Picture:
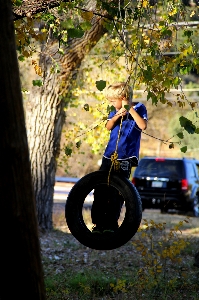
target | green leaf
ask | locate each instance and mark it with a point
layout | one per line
(188, 33)
(37, 82)
(180, 135)
(183, 149)
(18, 2)
(68, 151)
(153, 98)
(176, 82)
(101, 84)
(61, 51)
(21, 58)
(86, 25)
(183, 121)
(75, 33)
(67, 24)
(86, 107)
(78, 144)
(187, 124)
(148, 74)
(110, 108)
(127, 107)
(167, 83)
(165, 32)
(149, 95)
(197, 130)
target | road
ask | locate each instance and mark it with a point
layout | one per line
(62, 189)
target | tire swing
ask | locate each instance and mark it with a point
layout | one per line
(74, 206)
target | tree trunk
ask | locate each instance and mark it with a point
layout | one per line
(20, 261)
(45, 117)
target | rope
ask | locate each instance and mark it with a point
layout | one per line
(115, 163)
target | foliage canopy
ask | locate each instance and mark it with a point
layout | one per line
(152, 43)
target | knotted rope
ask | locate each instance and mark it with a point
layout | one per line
(115, 163)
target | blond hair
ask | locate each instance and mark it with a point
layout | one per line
(119, 90)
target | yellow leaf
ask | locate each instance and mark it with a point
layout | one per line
(189, 49)
(87, 15)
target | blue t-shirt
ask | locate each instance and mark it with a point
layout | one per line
(130, 135)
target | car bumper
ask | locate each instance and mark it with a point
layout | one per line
(159, 200)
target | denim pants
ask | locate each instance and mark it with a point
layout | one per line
(108, 202)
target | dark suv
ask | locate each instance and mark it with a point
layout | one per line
(168, 183)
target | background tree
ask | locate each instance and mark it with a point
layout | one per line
(45, 109)
(22, 275)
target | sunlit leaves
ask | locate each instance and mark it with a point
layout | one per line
(37, 68)
(157, 254)
(142, 54)
(176, 81)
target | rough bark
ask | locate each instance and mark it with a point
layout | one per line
(45, 117)
(20, 261)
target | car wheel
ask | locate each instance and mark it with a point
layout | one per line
(196, 206)
(74, 205)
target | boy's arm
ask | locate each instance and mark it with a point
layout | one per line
(142, 123)
(111, 123)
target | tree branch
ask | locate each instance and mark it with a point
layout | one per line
(29, 8)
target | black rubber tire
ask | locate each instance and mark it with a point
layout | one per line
(74, 205)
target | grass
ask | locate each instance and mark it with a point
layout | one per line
(156, 264)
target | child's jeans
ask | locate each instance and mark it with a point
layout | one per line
(108, 202)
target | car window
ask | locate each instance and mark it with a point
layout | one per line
(167, 168)
(197, 169)
(190, 169)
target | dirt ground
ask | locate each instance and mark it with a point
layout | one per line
(63, 255)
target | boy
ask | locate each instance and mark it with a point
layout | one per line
(125, 142)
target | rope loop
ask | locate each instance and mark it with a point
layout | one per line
(115, 162)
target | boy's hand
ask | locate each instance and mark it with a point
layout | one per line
(121, 112)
